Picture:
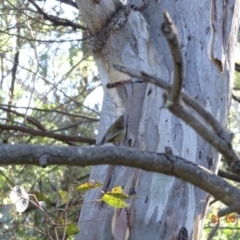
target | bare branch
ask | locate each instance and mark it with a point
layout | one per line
(237, 99)
(56, 20)
(59, 137)
(175, 106)
(69, 2)
(217, 136)
(51, 111)
(213, 231)
(149, 161)
(30, 119)
(170, 32)
(237, 67)
(192, 102)
(229, 176)
(230, 209)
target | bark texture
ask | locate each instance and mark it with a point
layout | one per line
(166, 207)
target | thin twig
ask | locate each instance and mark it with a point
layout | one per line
(59, 137)
(56, 20)
(2, 106)
(213, 231)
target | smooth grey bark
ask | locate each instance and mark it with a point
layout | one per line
(207, 31)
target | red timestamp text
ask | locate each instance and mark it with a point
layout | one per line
(228, 218)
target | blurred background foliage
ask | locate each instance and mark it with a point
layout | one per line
(50, 94)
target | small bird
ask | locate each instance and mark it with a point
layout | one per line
(115, 132)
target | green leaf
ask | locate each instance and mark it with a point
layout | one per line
(115, 198)
(63, 196)
(114, 202)
(72, 229)
(88, 186)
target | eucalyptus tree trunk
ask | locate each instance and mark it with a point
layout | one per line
(165, 207)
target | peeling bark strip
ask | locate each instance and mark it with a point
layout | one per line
(116, 84)
(117, 22)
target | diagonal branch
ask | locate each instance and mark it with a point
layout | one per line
(237, 67)
(234, 97)
(69, 2)
(216, 136)
(230, 176)
(56, 20)
(30, 119)
(177, 108)
(206, 115)
(222, 146)
(194, 122)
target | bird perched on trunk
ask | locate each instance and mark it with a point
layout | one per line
(115, 132)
